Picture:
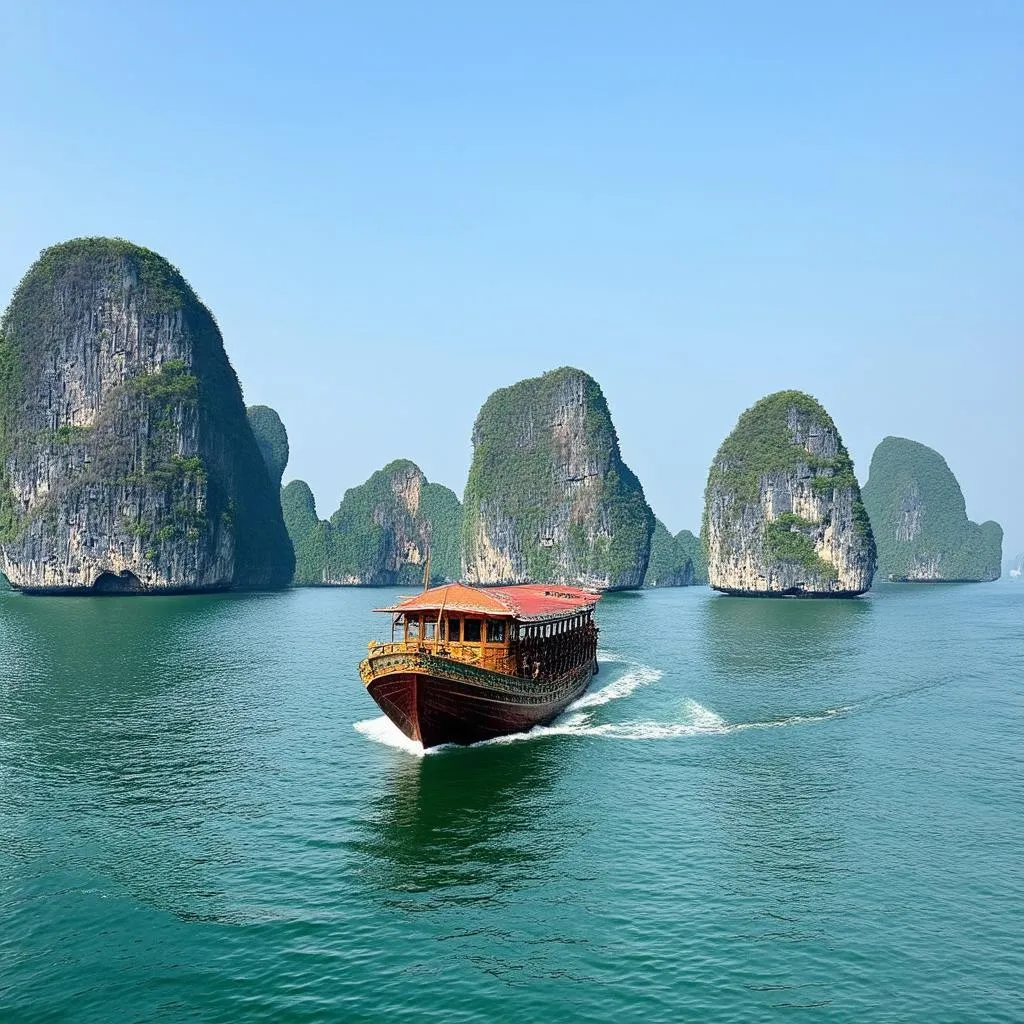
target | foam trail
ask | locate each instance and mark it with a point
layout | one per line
(637, 676)
(814, 716)
(700, 721)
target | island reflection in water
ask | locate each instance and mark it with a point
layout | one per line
(780, 636)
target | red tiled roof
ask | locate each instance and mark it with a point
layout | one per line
(525, 601)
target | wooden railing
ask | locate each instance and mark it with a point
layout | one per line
(497, 659)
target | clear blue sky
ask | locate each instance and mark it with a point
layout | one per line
(393, 209)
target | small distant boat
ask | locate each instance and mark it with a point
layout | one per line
(466, 664)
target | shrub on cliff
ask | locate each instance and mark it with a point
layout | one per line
(920, 519)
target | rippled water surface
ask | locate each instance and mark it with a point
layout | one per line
(761, 810)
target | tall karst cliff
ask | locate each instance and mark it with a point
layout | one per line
(782, 508)
(271, 439)
(677, 561)
(920, 519)
(380, 534)
(549, 498)
(126, 458)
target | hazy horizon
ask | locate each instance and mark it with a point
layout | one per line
(393, 212)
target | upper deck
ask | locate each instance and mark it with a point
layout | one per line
(490, 626)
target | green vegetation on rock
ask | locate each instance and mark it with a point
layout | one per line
(677, 561)
(788, 538)
(783, 512)
(549, 498)
(771, 437)
(440, 506)
(920, 519)
(380, 533)
(271, 439)
(311, 537)
(114, 383)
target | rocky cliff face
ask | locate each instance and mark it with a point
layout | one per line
(380, 534)
(782, 508)
(677, 561)
(920, 519)
(126, 459)
(549, 498)
(271, 439)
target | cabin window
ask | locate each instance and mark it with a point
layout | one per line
(429, 629)
(412, 629)
(453, 631)
(495, 631)
(471, 631)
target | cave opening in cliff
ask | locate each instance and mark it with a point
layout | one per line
(117, 583)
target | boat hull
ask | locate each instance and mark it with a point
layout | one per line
(436, 700)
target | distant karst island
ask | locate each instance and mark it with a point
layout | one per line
(920, 519)
(548, 497)
(380, 534)
(126, 459)
(678, 561)
(783, 513)
(129, 464)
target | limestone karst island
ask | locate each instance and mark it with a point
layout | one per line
(783, 513)
(549, 497)
(381, 533)
(920, 519)
(128, 463)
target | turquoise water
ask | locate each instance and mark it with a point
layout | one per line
(783, 810)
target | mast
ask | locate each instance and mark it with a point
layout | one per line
(437, 628)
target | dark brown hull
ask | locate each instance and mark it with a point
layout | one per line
(436, 700)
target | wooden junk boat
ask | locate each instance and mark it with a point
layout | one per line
(470, 663)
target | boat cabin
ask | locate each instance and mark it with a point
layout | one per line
(530, 630)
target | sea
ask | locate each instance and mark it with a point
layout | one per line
(761, 810)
